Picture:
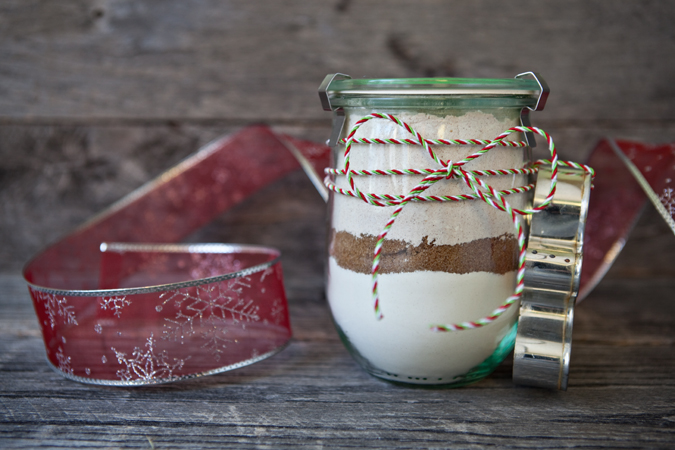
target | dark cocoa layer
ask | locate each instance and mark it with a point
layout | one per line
(497, 255)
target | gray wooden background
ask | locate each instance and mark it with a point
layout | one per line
(99, 96)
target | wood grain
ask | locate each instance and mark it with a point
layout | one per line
(54, 177)
(264, 60)
(99, 96)
(621, 393)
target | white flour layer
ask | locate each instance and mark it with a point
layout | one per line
(402, 343)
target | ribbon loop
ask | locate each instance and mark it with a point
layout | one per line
(135, 313)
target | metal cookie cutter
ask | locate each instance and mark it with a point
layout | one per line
(553, 265)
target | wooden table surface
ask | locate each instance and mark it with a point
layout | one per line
(621, 388)
(98, 97)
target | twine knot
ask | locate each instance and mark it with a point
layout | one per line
(450, 168)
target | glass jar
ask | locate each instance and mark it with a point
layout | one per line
(441, 262)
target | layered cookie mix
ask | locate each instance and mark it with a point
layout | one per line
(441, 263)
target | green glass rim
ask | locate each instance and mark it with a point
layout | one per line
(433, 92)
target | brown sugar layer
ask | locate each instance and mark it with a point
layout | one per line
(497, 255)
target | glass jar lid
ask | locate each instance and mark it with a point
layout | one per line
(433, 92)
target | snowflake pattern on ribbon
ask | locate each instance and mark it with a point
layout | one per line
(278, 312)
(208, 265)
(64, 362)
(268, 271)
(115, 304)
(265, 273)
(668, 200)
(55, 306)
(208, 311)
(147, 365)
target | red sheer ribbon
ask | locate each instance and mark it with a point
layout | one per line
(618, 199)
(134, 313)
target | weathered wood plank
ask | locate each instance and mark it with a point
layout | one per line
(99, 96)
(53, 178)
(264, 60)
(469, 420)
(621, 395)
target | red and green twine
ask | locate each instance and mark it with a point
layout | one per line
(449, 169)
